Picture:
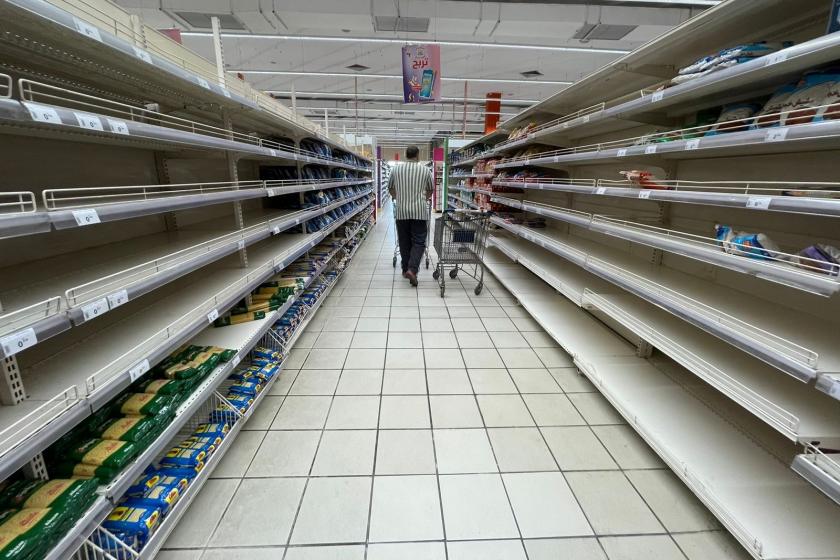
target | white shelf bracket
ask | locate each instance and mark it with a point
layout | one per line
(12, 391)
(36, 468)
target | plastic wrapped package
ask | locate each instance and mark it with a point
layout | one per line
(138, 520)
(753, 245)
(820, 258)
(734, 118)
(28, 533)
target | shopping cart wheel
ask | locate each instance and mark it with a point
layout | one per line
(394, 262)
(427, 263)
(436, 274)
(478, 289)
(453, 273)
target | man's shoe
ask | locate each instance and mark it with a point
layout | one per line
(412, 277)
(405, 274)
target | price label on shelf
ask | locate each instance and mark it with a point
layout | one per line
(586, 118)
(272, 152)
(644, 194)
(42, 113)
(87, 29)
(142, 55)
(601, 190)
(89, 122)
(776, 134)
(118, 127)
(651, 149)
(692, 144)
(118, 298)
(241, 244)
(18, 341)
(226, 93)
(759, 202)
(656, 96)
(86, 217)
(213, 315)
(202, 82)
(622, 152)
(95, 309)
(556, 159)
(275, 230)
(775, 58)
(235, 361)
(139, 369)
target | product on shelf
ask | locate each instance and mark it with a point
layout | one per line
(727, 58)
(734, 117)
(753, 245)
(820, 258)
(27, 534)
(643, 179)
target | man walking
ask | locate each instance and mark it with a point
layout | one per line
(411, 187)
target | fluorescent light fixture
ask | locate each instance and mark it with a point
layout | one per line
(396, 41)
(417, 112)
(387, 96)
(393, 77)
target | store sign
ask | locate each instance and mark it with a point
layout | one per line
(421, 73)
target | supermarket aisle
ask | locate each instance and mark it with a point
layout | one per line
(409, 427)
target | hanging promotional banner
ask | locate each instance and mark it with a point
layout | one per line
(421, 73)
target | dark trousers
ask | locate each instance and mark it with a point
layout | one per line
(412, 236)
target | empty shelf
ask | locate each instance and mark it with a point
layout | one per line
(820, 469)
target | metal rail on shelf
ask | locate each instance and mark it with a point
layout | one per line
(24, 428)
(783, 268)
(17, 202)
(821, 469)
(14, 321)
(6, 86)
(560, 123)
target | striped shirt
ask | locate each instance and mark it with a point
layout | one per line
(410, 184)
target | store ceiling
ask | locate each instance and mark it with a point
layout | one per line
(342, 54)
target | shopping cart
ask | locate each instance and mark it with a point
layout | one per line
(460, 237)
(397, 237)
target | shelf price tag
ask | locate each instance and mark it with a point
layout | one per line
(86, 217)
(622, 152)
(271, 192)
(759, 202)
(775, 58)
(87, 29)
(225, 92)
(692, 144)
(213, 315)
(118, 127)
(586, 118)
(95, 309)
(142, 55)
(644, 194)
(235, 361)
(202, 82)
(776, 134)
(19, 341)
(89, 122)
(651, 149)
(43, 114)
(273, 152)
(117, 299)
(241, 244)
(657, 96)
(275, 230)
(601, 190)
(139, 369)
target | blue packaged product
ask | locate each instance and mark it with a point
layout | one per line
(116, 545)
(189, 472)
(215, 429)
(146, 482)
(250, 388)
(208, 445)
(138, 521)
(184, 458)
(162, 496)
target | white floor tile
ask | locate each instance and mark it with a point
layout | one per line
(439, 340)
(443, 358)
(302, 413)
(365, 358)
(521, 450)
(595, 409)
(285, 453)
(404, 382)
(498, 324)
(486, 550)
(482, 358)
(409, 312)
(494, 311)
(353, 413)
(296, 358)
(463, 313)
(283, 383)
(341, 324)
(405, 452)
(537, 380)
(660, 547)
(404, 412)
(553, 410)
(571, 548)
(435, 311)
(435, 325)
(475, 506)
(491, 381)
(334, 510)
(672, 502)
(544, 506)
(195, 528)
(324, 358)
(715, 544)
(448, 382)
(525, 324)
(455, 411)
(407, 551)
(264, 415)
(354, 311)
(474, 340)
(273, 498)
(239, 456)
(572, 381)
(405, 508)
(464, 451)
(369, 340)
(554, 357)
(407, 324)
(345, 453)
(372, 324)
(577, 449)
(360, 382)
(340, 552)
(315, 382)
(504, 411)
(378, 311)
(598, 493)
(405, 340)
(468, 324)
(629, 450)
(539, 339)
(186, 554)
(404, 358)
(519, 358)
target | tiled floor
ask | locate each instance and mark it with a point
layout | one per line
(410, 427)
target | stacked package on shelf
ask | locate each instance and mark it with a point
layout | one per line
(102, 446)
(150, 499)
(727, 58)
(269, 296)
(286, 326)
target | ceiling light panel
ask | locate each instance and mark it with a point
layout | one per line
(202, 21)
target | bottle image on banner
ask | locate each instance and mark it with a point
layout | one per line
(421, 73)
